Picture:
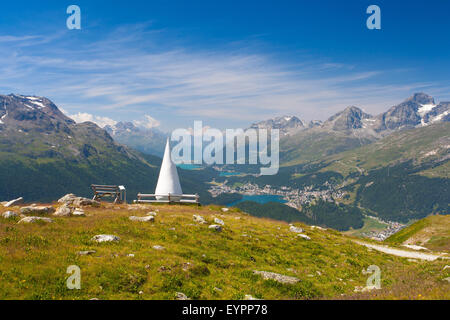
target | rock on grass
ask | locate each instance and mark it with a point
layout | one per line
(35, 219)
(215, 227)
(295, 229)
(63, 211)
(219, 221)
(276, 277)
(105, 238)
(199, 219)
(37, 210)
(304, 236)
(142, 219)
(181, 296)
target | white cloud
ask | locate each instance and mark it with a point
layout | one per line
(126, 73)
(81, 117)
(148, 122)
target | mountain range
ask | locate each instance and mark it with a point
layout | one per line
(382, 163)
(44, 154)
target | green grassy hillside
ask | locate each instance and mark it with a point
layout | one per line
(197, 261)
(432, 233)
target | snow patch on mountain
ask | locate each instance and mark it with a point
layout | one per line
(39, 104)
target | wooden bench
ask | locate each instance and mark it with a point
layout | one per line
(185, 198)
(119, 193)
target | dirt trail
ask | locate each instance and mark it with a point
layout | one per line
(402, 253)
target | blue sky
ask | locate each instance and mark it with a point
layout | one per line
(228, 63)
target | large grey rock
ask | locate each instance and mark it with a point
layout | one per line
(218, 221)
(35, 219)
(13, 202)
(37, 210)
(105, 238)
(63, 211)
(159, 248)
(276, 277)
(68, 198)
(9, 215)
(142, 219)
(71, 199)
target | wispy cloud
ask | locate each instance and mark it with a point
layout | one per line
(127, 73)
(81, 117)
(147, 123)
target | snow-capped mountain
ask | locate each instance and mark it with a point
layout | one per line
(418, 110)
(30, 111)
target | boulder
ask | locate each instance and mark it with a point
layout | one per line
(215, 227)
(218, 221)
(9, 215)
(276, 277)
(225, 209)
(151, 214)
(13, 202)
(68, 198)
(295, 229)
(105, 238)
(159, 248)
(71, 199)
(63, 211)
(199, 219)
(142, 219)
(37, 210)
(35, 219)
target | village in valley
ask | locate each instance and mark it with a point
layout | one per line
(295, 198)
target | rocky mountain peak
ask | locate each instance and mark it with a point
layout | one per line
(421, 98)
(31, 112)
(350, 118)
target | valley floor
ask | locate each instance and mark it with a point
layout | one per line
(175, 254)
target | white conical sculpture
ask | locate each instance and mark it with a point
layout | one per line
(168, 181)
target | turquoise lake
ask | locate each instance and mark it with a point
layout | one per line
(189, 166)
(260, 198)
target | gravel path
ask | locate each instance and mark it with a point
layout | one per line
(402, 253)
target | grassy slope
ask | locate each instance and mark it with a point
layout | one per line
(432, 232)
(313, 145)
(34, 258)
(421, 145)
